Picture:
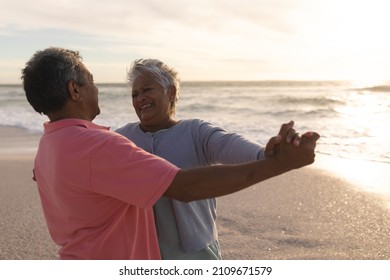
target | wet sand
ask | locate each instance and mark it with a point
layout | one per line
(305, 214)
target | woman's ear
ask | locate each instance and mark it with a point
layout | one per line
(74, 91)
(172, 93)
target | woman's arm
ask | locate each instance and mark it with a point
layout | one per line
(219, 180)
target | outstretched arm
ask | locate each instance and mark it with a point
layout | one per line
(219, 180)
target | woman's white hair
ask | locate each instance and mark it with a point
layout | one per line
(165, 75)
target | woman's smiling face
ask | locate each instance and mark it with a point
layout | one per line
(151, 103)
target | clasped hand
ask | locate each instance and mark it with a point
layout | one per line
(290, 149)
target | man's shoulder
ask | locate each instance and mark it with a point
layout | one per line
(97, 137)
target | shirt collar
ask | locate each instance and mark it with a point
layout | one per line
(52, 126)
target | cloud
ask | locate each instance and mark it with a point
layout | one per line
(283, 38)
(144, 18)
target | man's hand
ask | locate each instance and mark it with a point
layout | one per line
(291, 156)
(271, 147)
(299, 154)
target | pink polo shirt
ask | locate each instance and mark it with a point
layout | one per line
(97, 190)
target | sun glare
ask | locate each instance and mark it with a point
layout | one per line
(366, 113)
(351, 36)
(366, 176)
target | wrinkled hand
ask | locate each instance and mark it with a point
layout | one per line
(292, 156)
(271, 147)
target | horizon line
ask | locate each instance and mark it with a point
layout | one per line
(224, 81)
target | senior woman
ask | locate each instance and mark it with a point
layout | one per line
(185, 230)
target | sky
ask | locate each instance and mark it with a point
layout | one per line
(205, 39)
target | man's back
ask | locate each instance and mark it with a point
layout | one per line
(95, 197)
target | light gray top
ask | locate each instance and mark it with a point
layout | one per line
(189, 144)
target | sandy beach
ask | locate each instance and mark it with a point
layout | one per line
(311, 213)
(304, 214)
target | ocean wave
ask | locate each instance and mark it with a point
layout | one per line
(379, 88)
(322, 101)
(255, 110)
(348, 156)
(319, 112)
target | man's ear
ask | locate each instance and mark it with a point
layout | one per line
(74, 91)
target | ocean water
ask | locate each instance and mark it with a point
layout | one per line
(352, 121)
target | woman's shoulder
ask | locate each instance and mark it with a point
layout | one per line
(127, 128)
(193, 122)
(197, 127)
(190, 125)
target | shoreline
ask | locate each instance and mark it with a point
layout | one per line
(322, 211)
(18, 142)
